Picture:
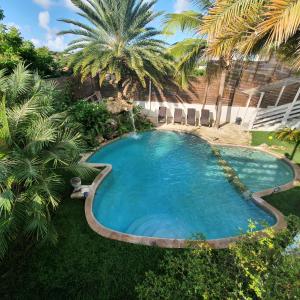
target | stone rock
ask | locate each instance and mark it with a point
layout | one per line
(100, 139)
(117, 106)
(264, 145)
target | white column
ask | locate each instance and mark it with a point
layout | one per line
(247, 106)
(287, 114)
(260, 99)
(262, 94)
(280, 95)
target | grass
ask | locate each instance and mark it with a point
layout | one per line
(83, 265)
(262, 137)
(287, 202)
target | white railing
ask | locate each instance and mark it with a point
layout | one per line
(278, 115)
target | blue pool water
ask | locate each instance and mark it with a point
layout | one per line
(257, 170)
(170, 185)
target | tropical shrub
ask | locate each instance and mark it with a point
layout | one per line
(38, 146)
(97, 123)
(254, 268)
(290, 135)
(117, 40)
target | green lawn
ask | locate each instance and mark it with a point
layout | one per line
(262, 137)
(83, 265)
(287, 202)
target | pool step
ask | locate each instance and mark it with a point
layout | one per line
(159, 225)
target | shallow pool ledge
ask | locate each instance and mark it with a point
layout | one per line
(181, 243)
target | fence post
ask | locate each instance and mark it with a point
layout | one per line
(280, 95)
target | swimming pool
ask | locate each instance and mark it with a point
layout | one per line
(170, 185)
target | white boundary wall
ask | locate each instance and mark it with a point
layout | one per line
(229, 114)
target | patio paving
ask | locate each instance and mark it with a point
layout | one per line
(227, 134)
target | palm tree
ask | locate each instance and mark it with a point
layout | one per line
(189, 52)
(291, 136)
(38, 146)
(117, 41)
(244, 27)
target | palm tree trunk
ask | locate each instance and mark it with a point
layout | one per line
(120, 90)
(295, 149)
(96, 84)
(218, 103)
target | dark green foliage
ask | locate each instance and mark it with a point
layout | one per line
(13, 50)
(288, 202)
(97, 122)
(199, 73)
(251, 269)
(83, 265)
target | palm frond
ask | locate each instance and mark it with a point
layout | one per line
(282, 21)
(188, 54)
(19, 82)
(112, 38)
(188, 20)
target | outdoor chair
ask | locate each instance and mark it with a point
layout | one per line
(162, 115)
(178, 116)
(205, 118)
(191, 117)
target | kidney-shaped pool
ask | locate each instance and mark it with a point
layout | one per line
(170, 185)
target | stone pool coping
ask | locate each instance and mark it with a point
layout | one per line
(182, 243)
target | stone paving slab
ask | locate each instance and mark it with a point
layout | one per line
(227, 134)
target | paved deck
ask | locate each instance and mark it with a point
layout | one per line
(227, 134)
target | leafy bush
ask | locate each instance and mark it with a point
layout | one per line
(254, 268)
(14, 49)
(96, 122)
(199, 72)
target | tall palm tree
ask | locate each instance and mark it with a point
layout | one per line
(243, 27)
(116, 39)
(190, 52)
(37, 146)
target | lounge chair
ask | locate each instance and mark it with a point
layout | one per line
(177, 116)
(162, 115)
(191, 117)
(205, 118)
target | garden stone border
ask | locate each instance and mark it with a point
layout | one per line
(182, 243)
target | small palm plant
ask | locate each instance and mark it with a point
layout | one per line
(290, 135)
(37, 147)
(116, 41)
